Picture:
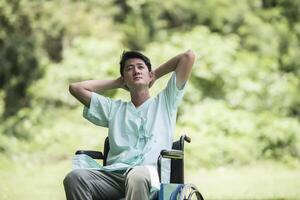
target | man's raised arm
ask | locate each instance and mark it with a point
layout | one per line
(182, 65)
(82, 91)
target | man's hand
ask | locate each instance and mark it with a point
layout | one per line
(121, 84)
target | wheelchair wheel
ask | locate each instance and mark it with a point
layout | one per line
(190, 192)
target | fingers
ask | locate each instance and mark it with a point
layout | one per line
(125, 87)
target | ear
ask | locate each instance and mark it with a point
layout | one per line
(123, 78)
(151, 75)
(152, 78)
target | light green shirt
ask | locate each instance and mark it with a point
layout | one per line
(137, 134)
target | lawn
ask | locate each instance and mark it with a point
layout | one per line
(259, 181)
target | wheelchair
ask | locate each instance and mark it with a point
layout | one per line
(181, 191)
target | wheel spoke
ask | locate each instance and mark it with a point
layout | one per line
(190, 192)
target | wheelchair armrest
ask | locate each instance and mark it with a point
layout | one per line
(92, 154)
(172, 154)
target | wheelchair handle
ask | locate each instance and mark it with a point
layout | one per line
(187, 139)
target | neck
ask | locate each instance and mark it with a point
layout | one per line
(139, 97)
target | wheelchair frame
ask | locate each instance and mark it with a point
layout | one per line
(176, 155)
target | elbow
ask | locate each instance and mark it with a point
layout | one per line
(73, 88)
(190, 55)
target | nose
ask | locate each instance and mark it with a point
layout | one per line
(136, 70)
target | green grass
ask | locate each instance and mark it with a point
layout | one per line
(34, 182)
(261, 181)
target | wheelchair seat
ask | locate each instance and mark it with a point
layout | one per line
(176, 155)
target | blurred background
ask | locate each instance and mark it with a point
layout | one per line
(241, 107)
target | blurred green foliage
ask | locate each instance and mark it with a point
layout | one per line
(242, 102)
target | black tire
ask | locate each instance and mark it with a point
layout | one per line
(190, 192)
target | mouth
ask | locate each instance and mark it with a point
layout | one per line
(137, 78)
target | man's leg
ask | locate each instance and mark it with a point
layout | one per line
(138, 183)
(85, 184)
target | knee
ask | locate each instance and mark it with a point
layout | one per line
(138, 176)
(73, 177)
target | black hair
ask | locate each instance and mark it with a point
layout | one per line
(126, 55)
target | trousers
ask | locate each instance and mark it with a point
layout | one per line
(87, 184)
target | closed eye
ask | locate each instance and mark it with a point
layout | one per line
(129, 67)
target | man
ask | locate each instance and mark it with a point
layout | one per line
(138, 130)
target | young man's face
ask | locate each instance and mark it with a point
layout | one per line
(136, 73)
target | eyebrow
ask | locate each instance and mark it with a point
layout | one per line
(139, 63)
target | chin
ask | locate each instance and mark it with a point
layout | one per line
(140, 84)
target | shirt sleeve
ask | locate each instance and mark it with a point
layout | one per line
(173, 94)
(99, 110)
